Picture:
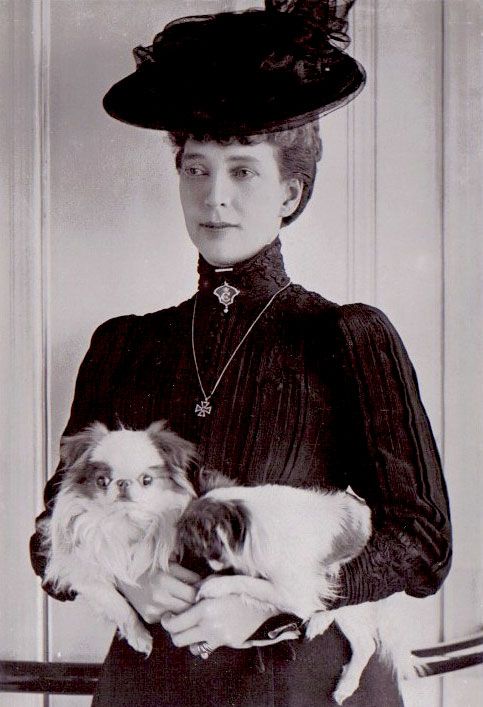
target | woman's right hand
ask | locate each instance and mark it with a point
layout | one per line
(159, 592)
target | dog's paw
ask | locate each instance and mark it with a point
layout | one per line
(340, 696)
(317, 624)
(138, 638)
(212, 588)
(346, 687)
(142, 643)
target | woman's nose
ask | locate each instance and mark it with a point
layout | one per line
(218, 191)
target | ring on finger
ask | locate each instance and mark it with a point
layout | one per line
(204, 650)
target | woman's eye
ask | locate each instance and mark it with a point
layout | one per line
(146, 480)
(103, 482)
(193, 171)
(244, 173)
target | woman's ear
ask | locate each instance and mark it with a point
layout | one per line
(293, 194)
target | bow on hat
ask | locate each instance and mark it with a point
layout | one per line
(240, 73)
(324, 20)
(325, 16)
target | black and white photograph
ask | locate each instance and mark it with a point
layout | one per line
(241, 371)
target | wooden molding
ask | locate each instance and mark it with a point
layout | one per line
(463, 294)
(361, 155)
(81, 678)
(51, 678)
(22, 618)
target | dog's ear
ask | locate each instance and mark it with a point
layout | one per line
(73, 448)
(174, 449)
(207, 524)
(208, 479)
(196, 529)
(354, 530)
(234, 524)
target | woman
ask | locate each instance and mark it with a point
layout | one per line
(272, 383)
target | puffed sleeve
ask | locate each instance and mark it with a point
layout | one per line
(88, 405)
(393, 463)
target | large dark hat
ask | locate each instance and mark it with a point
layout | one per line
(242, 72)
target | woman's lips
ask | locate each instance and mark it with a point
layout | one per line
(218, 225)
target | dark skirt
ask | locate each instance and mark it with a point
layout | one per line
(289, 674)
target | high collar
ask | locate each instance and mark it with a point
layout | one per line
(257, 278)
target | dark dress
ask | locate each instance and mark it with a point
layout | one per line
(318, 395)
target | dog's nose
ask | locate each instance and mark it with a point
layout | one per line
(123, 483)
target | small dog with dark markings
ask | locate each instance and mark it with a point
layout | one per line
(287, 546)
(114, 518)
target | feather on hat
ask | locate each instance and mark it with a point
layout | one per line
(242, 73)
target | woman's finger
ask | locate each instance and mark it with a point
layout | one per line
(184, 621)
(189, 637)
(172, 604)
(195, 649)
(183, 574)
(176, 588)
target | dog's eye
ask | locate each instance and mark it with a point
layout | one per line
(103, 482)
(146, 480)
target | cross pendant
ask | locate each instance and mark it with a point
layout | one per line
(203, 408)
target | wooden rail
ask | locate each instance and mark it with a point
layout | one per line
(81, 678)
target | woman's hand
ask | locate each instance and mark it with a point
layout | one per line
(157, 593)
(224, 621)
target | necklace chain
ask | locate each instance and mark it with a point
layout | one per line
(204, 408)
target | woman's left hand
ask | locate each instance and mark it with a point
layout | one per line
(224, 621)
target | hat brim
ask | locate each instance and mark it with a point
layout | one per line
(203, 83)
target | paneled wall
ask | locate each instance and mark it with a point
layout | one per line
(22, 362)
(92, 228)
(463, 328)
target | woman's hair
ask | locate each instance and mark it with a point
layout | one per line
(298, 151)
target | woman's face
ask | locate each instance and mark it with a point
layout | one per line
(233, 198)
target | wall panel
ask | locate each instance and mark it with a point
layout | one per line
(408, 194)
(463, 281)
(91, 207)
(21, 370)
(408, 182)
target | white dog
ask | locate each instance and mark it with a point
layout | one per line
(115, 516)
(288, 545)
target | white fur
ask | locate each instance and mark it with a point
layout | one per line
(287, 543)
(290, 557)
(370, 627)
(93, 542)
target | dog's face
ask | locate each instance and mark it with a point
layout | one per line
(214, 530)
(145, 467)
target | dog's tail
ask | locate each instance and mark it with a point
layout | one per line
(405, 664)
(395, 637)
